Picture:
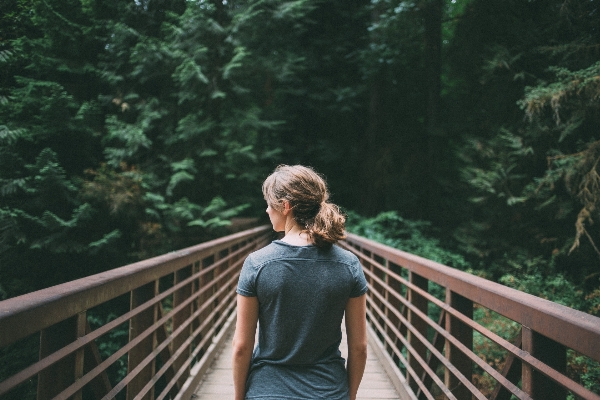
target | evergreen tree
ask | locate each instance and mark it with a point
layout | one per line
(128, 129)
(49, 106)
(186, 116)
(530, 155)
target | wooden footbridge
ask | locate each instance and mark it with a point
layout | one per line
(161, 329)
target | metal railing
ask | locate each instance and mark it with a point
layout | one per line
(423, 314)
(170, 313)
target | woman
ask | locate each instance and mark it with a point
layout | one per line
(298, 289)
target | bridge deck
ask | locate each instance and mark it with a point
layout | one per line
(217, 383)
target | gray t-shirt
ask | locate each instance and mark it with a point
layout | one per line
(302, 293)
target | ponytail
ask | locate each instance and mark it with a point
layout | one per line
(328, 226)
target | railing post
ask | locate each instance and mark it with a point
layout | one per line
(196, 303)
(370, 281)
(549, 352)
(100, 386)
(221, 279)
(80, 330)
(511, 371)
(464, 334)
(137, 325)
(396, 303)
(179, 296)
(206, 280)
(386, 296)
(419, 324)
(60, 375)
(382, 275)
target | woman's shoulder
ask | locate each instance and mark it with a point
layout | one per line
(265, 254)
(277, 250)
(344, 255)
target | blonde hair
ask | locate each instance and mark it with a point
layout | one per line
(307, 193)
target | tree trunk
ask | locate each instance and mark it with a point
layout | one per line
(436, 141)
(376, 156)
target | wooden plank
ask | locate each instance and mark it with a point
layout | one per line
(217, 382)
(392, 372)
(198, 372)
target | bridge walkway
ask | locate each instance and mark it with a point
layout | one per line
(217, 383)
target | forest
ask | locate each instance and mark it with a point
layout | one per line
(465, 131)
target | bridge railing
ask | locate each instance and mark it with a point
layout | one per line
(168, 313)
(423, 313)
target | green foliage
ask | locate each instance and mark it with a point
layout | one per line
(46, 110)
(551, 287)
(417, 237)
(17, 357)
(529, 148)
(571, 93)
(110, 343)
(531, 183)
(132, 128)
(576, 96)
(184, 118)
(491, 353)
(541, 280)
(40, 213)
(583, 370)
(131, 137)
(124, 129)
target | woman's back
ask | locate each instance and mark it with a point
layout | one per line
(302, 293)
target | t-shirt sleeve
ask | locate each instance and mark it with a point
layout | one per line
(360, 283)
(247, 282)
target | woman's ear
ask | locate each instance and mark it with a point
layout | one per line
(286, 207)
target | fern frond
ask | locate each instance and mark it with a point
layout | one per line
(10, 136)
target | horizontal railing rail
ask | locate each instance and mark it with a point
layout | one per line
(424, 315)
(164, 318)
(149, 330)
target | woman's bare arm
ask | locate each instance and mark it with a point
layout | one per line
(356, 331)
(243, 342)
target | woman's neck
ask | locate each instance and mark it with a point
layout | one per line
(295, 236)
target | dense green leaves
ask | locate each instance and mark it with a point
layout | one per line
(416, 237)
(132, 128)
(125, 126)
(529, 150)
